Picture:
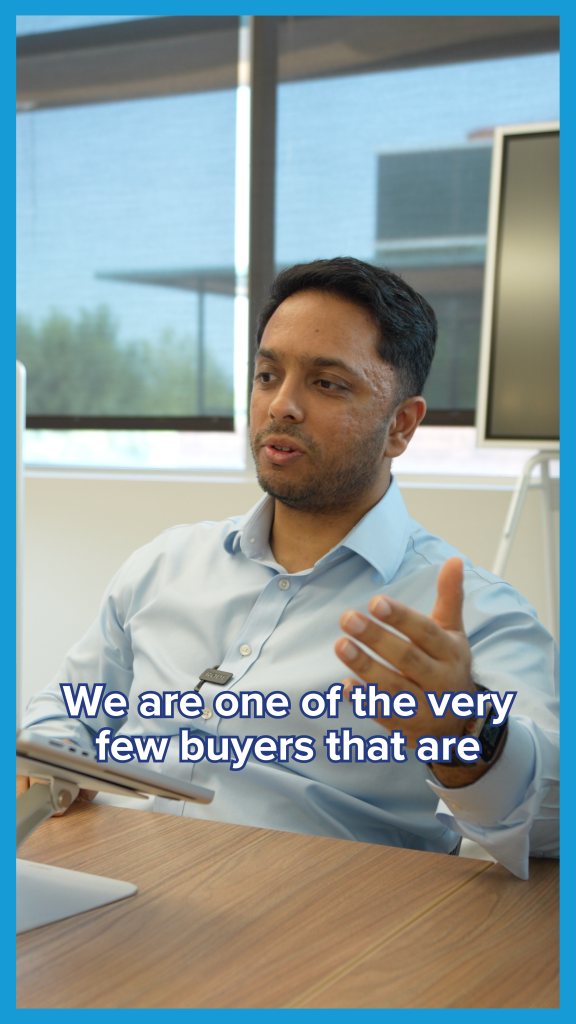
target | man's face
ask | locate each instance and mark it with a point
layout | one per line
(323, 395)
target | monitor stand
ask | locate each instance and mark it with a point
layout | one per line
(45, 893)
(549, 496)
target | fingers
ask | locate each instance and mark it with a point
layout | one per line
(86, 795)
(429, 633)
(447, 611)
(22, 784)
(370, 670)
(409, 659)
(433, 646)
(348, 685)
(430, 638)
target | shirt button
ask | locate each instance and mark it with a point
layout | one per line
(284, 584)
(207, 713)
(245, 650)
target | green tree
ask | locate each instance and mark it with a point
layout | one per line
(79, 368)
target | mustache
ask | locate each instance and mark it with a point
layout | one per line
(295, 432)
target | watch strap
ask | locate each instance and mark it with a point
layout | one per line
(491, 737)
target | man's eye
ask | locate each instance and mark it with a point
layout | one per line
(328, 385)
(265, 377)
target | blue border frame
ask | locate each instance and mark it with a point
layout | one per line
(568, 366)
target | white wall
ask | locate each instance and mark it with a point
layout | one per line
(79, 531)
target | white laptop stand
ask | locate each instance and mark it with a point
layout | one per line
(45, 893)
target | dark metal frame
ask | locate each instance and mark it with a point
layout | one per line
(449, 418)
(219, 423)
(261, 267)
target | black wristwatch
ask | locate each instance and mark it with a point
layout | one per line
(492, 737)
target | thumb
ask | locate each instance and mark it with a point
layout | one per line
(447, 611)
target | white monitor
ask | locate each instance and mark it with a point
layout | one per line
(518, 392)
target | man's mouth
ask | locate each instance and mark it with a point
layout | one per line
(281, 454)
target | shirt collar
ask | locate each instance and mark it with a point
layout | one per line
(380, 537)
(382, 534)
(251, 533)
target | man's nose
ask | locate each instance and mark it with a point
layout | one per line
(286, 403)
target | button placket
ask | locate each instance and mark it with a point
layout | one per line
(258, 627)
(240, 657)
(209, 720)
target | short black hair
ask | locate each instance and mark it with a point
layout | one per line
(406, 322)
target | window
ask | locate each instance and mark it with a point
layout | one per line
(126, 239)
(128, 148)
(393, 166)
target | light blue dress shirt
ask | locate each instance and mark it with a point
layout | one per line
(212, 594)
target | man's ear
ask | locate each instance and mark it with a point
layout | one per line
(403, 424)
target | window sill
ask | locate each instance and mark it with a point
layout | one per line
(434, 481)
(139, 473)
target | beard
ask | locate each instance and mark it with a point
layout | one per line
(334, 484)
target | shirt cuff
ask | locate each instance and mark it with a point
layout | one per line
(498, 809)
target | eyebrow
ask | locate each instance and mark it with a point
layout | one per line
(325, 361)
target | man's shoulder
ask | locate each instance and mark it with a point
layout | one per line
(427, 549)
(183, 533)
(179, 546)
(486, 595)
(430, 549)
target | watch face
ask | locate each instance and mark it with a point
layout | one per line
(490, 736)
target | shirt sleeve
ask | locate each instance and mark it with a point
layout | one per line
(512, 810)
(102, 656)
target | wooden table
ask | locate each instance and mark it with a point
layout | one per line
(229, 916)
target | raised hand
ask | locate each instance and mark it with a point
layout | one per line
(432, 654)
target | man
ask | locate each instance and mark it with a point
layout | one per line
(344, 352)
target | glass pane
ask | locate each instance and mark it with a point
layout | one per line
(126, 256)
(393, 167)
